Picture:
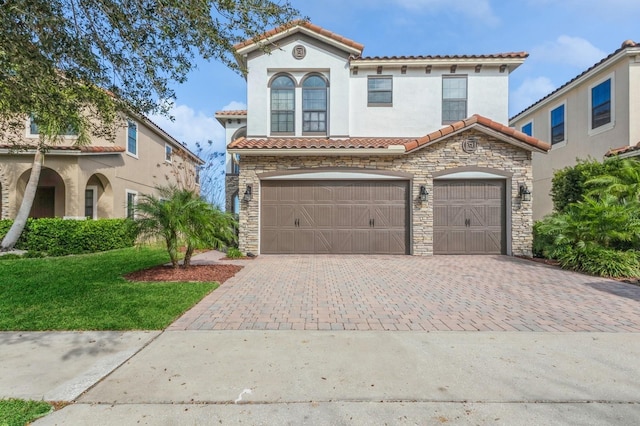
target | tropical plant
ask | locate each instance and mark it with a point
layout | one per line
(79, 64)
(180, 216)
(622, 180)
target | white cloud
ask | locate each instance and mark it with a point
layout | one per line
(476, 9)
(234, 106)
(191, 126)
(531, 90)
(574, 51)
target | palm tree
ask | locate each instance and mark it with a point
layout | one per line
(180, 215)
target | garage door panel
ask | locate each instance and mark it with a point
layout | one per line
(473, 224)
(335, 216)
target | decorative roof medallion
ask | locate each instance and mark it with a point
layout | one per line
(299, 51)
(470, 145)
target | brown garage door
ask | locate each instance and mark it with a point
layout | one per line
(341, 217)
(469, 217)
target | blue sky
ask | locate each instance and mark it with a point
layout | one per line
(563, 38)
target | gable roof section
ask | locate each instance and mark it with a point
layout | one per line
(383, 146)
(221, 116)
(293, 27)
(625, 151)
(626, 45)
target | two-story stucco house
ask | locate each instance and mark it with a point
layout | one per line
(342, 153)
(100, 180)
(595, 112)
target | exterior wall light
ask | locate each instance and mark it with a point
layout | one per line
(424, 195)
(525, 194)
(248, 194)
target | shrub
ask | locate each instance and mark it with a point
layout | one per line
(542, 241)
(233, 253)
(594, 259)
(59, 237)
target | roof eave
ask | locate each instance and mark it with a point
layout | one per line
(242, 52)
(391, 150)
(554, 95)
(513, 63)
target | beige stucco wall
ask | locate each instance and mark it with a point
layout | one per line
(491, 154)
(112, 174)
(580, 141)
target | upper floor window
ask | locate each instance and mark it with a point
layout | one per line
(282, 105)
(132, 138)
(380, 91)
(33, 129)
(168, 153)
(557, 125)
(314, 105)
(601, 104)
(454, 98)
(527, 129)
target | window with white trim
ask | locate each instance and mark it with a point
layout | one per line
(168, 152)
(601, 107)
(34, 131)
(454, 98)
(130, 207)
(527, 129)
(558, 124)
(91, 202)
(132, 138)
(380, 91)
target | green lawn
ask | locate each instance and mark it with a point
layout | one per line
(87, 292)
(17, 412)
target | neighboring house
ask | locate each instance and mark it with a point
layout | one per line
(586, 117)
(377, 155)
(100, 180)
(235, 125)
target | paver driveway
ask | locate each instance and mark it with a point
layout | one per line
(414, 293)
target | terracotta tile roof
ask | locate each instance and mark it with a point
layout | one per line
(306, 24)
(410, 144)
(508, 55)
(623, 150)
(477, 119)
(231, 112)
(315, 143)
(626, 44)
(86, 149)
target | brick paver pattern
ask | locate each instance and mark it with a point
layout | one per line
(439, 293)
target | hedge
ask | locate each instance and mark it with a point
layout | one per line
(59, 237)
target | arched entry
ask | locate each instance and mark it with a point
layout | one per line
(98, 197)
(50, 195)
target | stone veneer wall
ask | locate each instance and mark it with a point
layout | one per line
(230, 188)
(491, 153)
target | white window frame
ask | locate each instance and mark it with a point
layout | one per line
(37, 135)
(131, 154)
(566, 127)
(532, 127)
(94, 188)
(380, 77)
(126, 202)
(170, 151)
(446, 77)
(611, 124)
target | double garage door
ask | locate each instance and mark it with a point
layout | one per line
(338, 217)
(372, 217)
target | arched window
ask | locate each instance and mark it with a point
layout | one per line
(314, 105)
(282, 104)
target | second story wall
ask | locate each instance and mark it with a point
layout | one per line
(326, 61)
(417, 100)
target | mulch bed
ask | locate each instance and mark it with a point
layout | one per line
(206, 273)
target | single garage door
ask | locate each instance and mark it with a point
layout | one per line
(339, 217)
(469, 217)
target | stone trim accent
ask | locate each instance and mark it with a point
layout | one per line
(230, 188)
(492, 155)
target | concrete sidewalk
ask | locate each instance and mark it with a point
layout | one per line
(305, 377)
(59, 366)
